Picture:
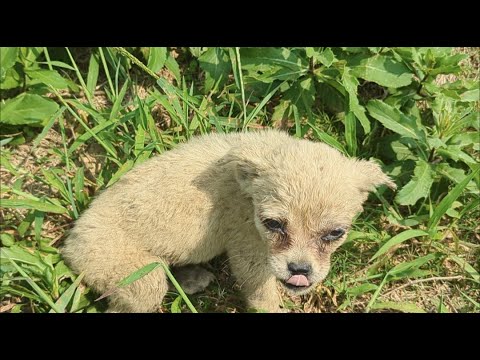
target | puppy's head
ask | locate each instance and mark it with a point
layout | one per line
(305, 196)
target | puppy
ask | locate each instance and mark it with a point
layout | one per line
(278, 206)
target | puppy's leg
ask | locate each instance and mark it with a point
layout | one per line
(249, 266)
(192, 278)
(91, 251)
(143, 295)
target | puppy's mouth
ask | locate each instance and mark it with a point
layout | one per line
(297, 283)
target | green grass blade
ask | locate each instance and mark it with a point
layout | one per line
(105, 69)
(80, 78)
(138, 274)
(448, 200)
(93, 70)
(37, 289)
(65, 298)
(242, 87)
(398, 239)
(351, 133)
(32, 204)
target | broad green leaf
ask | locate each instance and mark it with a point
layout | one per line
(138, 274)
(418, 187)
(448, 200)
(269, 64)
(471, 95)
(156, 58)
(464, 139)
(7, 239)
(197, 51)
(351, 84)
(405, 307)
(279, 112)
(383, 71)
(176, 305)
(394, 120)
(398, 239)
(27, 109)
(8, 57)
(12, 79)
(217, 66)
(48, 77)
(302, 95)
(32, 204)
(325, 56)
(447, 64)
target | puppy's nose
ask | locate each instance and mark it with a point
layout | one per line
(300, 269)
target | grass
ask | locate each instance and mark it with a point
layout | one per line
(116, 107)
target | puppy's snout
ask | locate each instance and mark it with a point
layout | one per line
(300, 268)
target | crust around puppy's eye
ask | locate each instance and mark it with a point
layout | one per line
(334, 234)
(274, 225)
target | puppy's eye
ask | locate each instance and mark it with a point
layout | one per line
(274, 225)
(334, 234)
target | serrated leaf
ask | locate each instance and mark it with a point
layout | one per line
(398, 239)
(362, 289)
(156, 58)
(269, 64)
(217, 66)
(325, 56)
(383, 71)
(27, 109)
(394, 120)
(418, 187)
(455, 153)
(32, 204)
(351, 84)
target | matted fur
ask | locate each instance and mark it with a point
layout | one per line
(210, 196)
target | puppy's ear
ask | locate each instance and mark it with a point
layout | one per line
(245, 171)
(370, 176)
